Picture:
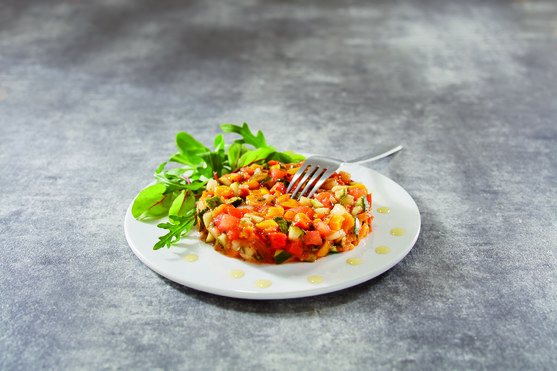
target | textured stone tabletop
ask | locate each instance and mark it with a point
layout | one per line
(92, 94)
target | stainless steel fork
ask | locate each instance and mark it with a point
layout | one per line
(317, 169)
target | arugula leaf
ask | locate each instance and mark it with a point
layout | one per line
(177, 227)
(258, 141)
(177, 189)
(152, 202)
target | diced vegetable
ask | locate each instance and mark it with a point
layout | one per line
(295, 233)
(214, 202)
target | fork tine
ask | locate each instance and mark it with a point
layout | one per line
(323, 177)
(297, 176)
(308, 175)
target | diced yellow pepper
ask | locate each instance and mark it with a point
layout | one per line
(324, 250)
(275, 211)
(267, 224)
(335, 222)
(292, 170)
(290, 203)
(348, 223)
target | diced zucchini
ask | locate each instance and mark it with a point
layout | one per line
(304, 201)
(200, 219)
(207, 218)
(282, 223)
(210, 238)
(363, 202)
(322, 210)
(254, 218)
(235, 201)
(236, 188)
(223, 239)
(295, 233)
(281, 256)
(316, 204)
(214, 202)
(356, 226)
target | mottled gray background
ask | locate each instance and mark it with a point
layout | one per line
(93, 92)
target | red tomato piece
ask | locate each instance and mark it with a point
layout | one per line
(277, 174)
(278, 240)
(225, 222)
(356, 192)
(312, 238)
(295, 248)
(324, 198)
(323, 228)
(278, 188)
(304, 210)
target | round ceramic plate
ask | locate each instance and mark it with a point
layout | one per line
(193, 263)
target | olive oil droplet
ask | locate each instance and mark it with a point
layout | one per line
(398, 232)
(354, 261)
(236, 273)
(190, 258)
(263, 284)
(383, 210)
(315, 279)
(382, 250)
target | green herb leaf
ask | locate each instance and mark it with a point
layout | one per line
(177, 227)
(152, 202)
(258, 141)
(189, 149)
(182, 204)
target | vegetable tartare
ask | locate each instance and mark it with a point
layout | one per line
(248, 215)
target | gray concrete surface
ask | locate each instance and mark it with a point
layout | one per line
(93, 92)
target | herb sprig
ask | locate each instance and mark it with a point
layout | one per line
(176, 190)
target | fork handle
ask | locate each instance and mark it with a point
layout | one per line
(382, 152)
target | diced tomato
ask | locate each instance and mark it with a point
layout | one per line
(302, 221)
(279, 188)
(357, 192)
(304, 210)
(278, 240)
(312, 238)
(323, 228)
(234, 233)
(225, 222)
(295, 248)
(324, 198)
(277, 174)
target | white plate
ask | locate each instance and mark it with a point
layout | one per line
(212, 272)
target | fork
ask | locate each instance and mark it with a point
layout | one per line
(317, 169)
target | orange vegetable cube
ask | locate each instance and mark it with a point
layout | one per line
(348, 223)
(324, 250)
(302, 221)
(275, 211)
(253, 184)
(224, 191)
(289, 215)
(335, 222)
(290, 203)
(267, 225)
